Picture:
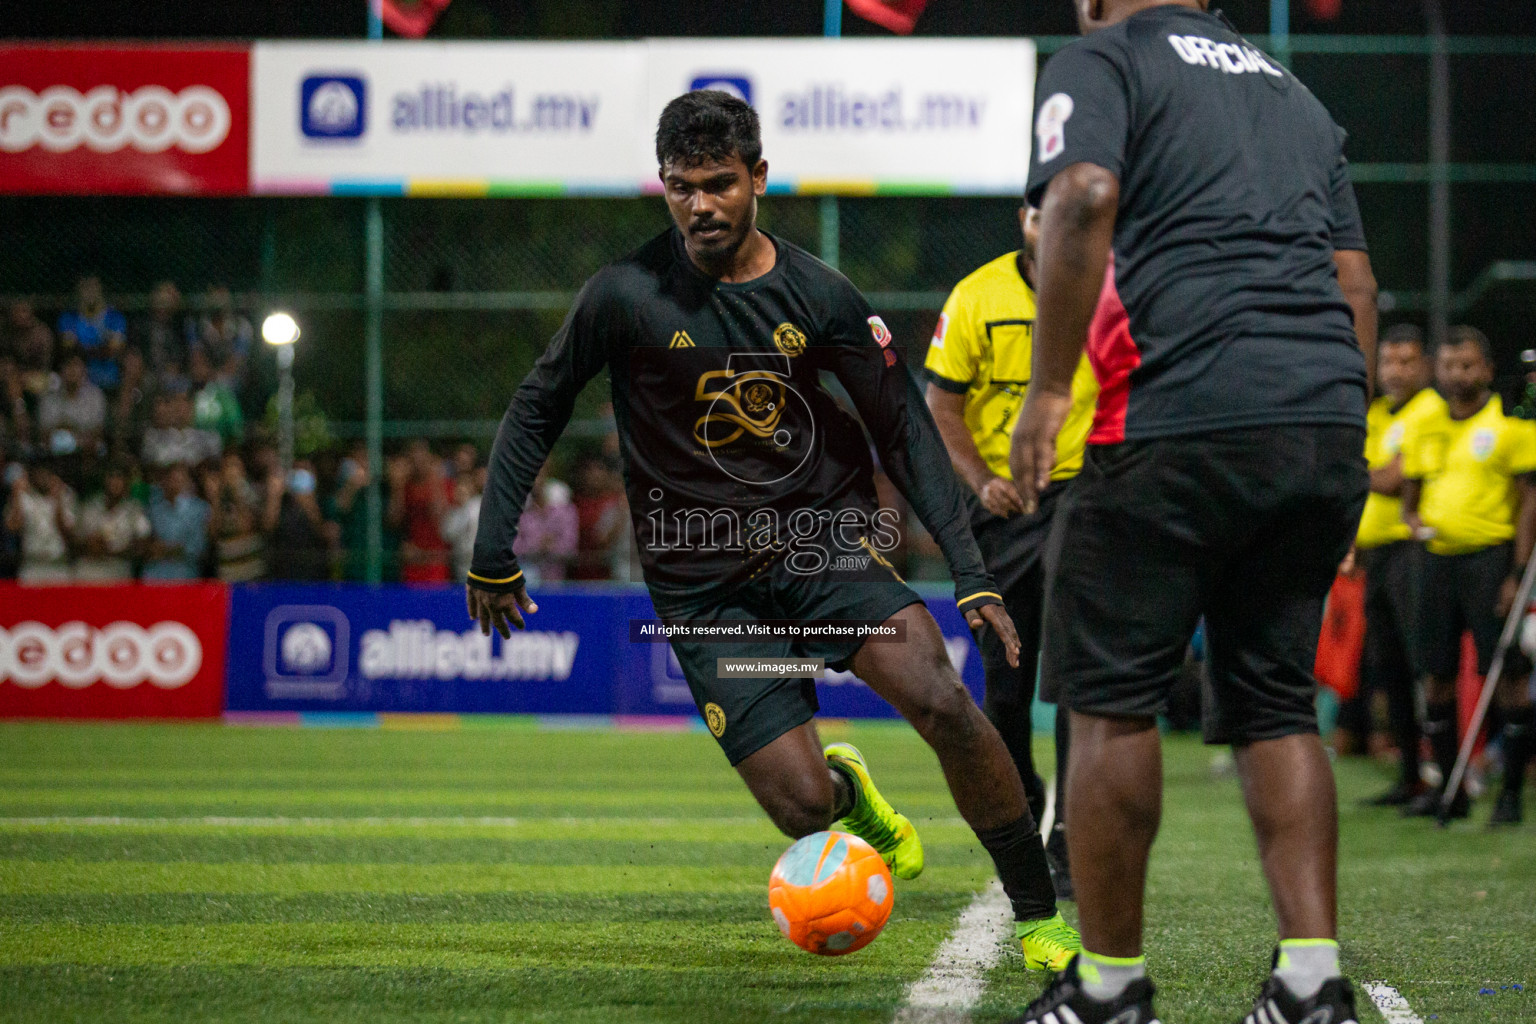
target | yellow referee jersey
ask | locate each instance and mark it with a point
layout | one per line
(982, 350)
(1468, 468)
(1382, 521)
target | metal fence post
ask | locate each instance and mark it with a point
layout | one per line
(374, 374)
(831, 216)
(1439, 181)
(1280, 30)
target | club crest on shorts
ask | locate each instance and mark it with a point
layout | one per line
(789, 339)
(714, 717)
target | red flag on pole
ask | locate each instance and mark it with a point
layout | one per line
(897, 15)
(412, 19)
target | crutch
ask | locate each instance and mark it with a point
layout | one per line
(1490, 684)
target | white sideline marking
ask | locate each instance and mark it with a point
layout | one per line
(954, 981)
(1394, 1008)
(220, 821)
(1048, 816)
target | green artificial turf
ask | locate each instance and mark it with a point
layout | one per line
(510, 874)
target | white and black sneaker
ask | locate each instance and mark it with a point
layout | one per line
(1065, 1002)
(1334, 1003)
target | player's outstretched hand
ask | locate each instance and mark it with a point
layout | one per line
(999, 497)
(996, 616)
(1033, 455)
(503, 612)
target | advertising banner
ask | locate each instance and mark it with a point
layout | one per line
(104, 120)
(392, 649)
(409, 118)
(920, 116)
(147, 651)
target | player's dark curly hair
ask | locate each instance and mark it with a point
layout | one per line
(708, 125)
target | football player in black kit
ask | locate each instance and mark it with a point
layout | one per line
(752, 498)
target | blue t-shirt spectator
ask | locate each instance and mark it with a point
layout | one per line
(178, 519)
(94, 335)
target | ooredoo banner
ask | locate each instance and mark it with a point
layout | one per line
(147, 651)
(124, 119)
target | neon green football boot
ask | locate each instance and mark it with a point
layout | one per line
(873, 819)
(1048, 943)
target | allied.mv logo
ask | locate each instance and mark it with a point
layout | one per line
(333, 107)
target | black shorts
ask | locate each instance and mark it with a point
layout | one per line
(1460, 594)
(1245, 527)
(746, 715)
(1013, 550)
(1393, 593)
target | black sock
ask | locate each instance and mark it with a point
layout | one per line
(1440, 727)
(1519, 739)
(1063, 748)
(1019, 854)
(845, 791)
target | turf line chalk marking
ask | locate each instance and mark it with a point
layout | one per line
(1394, 1008)
(1048, 816)
(219, 821)
(953, 983)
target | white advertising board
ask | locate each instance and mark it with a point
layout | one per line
(926, 116)
(852, 116)
(462, 118)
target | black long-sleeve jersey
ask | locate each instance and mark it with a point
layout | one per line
(734, 453)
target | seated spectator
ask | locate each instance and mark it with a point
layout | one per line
(172, 438)
(463, 517)
(72, 415)
(41, 512)
(214, 406)
(29, 341)
(162, 337)
(301, 540)
(547, 531)
(130, 408)
(96, 331)
(419, 493)
(224, 336)
(15, 421)
(235, 521)
(178, 521)
(111, 531)
(602, 520)
(346, 508)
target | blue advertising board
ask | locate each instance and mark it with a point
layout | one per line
(392, 649)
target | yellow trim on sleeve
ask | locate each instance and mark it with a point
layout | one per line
(509, 579)
(979, 593)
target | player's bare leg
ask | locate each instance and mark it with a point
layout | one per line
(1288, 786)
(918, 680)
(1115, 789)
(792, 783)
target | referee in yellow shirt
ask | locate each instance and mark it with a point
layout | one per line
(1388, 553)
(1469, 493)
(978, 369)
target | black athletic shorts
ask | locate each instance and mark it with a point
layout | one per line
(747, 714)
(1460, 594)
(1013, 550)
(1245, 527)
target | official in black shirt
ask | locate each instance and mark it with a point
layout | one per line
(1225, 473)
(752, 495)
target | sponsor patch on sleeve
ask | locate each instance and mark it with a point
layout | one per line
(881, 332)
(940, 330)
(1051, 126)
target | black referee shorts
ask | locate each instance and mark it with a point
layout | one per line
(1245, 527)
(1460, 594)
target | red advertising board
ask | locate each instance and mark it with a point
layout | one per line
(114, 120)
(133, 651)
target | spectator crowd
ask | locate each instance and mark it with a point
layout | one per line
(133, 449)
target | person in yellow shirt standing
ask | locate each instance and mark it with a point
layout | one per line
(978, 369)
(1388, 553)
(1469, 493)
